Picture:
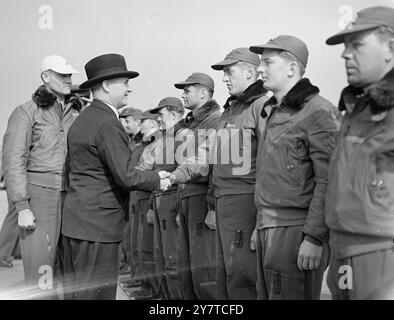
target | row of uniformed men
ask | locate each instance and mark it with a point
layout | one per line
(282, 206)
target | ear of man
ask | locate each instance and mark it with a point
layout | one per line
(106, 86)
(203, 92)
(45, 77)
(293, 69)
(389, 54)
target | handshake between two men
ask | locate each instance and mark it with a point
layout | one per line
(167, 179)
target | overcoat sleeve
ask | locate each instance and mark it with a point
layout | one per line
(113, 150)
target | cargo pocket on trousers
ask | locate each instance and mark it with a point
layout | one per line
(109, 203)
(282, 286)
(238, 239)
(199, 228)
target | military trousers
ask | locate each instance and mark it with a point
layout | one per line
(368, 276)
(146, 247)
(134, 254)
(278, 277)
(39, 245)
(9, 234)
(166, 243)
(196, 250)
(236, 262)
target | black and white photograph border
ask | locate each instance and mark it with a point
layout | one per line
(163, 40)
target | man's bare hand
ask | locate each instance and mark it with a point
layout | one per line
(309, 256)
(165, 184)
(253, 240)
(150, 216)
(178, 220)
(210, 219)
(164, 174)
(26, 219)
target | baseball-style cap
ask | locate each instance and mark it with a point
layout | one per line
(239, 54)
(197, 78)
(147, 115)
(133, 112)
(287, 43)
(174, 102)
(58, 64)
(366, 19)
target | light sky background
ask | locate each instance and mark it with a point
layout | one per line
(164, 40)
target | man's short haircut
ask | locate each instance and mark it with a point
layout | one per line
(244, 65)
(174, 109)
(247, 65)
(96, 87)
(384, 33)
(292, 58)
(201, 86)
(154, 123)
(136, 119)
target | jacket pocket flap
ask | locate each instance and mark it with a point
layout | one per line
(109, 203)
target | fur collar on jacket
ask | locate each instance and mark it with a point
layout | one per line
(252, 93)
(302, 91)
(381, 93)
(204, 111)
(45, 99)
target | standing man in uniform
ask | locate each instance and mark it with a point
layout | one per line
(148, 277)
(234, 174)
(130, 122)
(196, 243)
(34, 153)
(360, 196)
(165, 204)
(101, 177)
(292, 164)
(9, 234)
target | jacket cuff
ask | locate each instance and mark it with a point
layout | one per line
(22, 205)
(313, 240)
(259, 221)
(180, 176)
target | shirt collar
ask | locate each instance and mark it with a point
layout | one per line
(61, 104)
(113, 109)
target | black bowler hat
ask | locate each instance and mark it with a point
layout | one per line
(105, 67)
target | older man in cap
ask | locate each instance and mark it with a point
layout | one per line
(34, 153)
(196, 243)
(291, 179)
(360, 196)
(234, 174)
(101, 175)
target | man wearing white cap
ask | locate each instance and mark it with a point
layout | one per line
(34, 153)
